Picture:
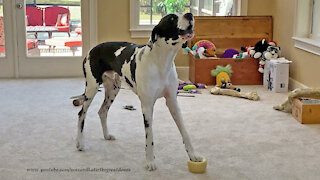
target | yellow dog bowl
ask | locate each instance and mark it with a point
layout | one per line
(197, 167)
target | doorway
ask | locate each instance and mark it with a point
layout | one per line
(43, 38)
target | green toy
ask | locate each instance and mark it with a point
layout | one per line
(223, 75)
(189, 87)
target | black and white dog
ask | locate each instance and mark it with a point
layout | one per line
(148, 69)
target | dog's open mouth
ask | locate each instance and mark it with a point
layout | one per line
(187, 36)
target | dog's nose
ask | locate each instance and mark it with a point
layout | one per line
(188, 16)
(189, 36)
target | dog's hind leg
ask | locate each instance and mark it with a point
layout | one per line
(91, 90)
(111, 83)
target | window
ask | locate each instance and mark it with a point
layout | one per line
(307, 29)
(147, 13)
(315, 26)
(215, 7)
(151, 11)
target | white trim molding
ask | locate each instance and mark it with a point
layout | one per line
(302, 29)
(136, 30)
(294, 84)
(183, 73)
(140, 33)
(243, 7)
(93, 22)
(307, 44)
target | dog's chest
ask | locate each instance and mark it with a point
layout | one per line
(149, 69)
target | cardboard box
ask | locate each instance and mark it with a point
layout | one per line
(306, 111)
(276, 75)
(230, 32)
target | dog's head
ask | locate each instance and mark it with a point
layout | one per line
(173, 30)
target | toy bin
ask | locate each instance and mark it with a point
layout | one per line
(230, 32)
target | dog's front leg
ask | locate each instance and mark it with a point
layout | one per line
(172, 103)
(147, 110)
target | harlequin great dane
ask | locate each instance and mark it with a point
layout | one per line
(150, 72)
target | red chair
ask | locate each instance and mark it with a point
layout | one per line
(34, 16)
(31, 43)
(2, 39)
(51, 17)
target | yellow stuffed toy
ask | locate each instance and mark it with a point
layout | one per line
(223, 75)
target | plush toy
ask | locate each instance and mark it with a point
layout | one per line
(271, 52)
(190, 51)
(197, 52)
(258, 49)
(205, 44)
(241, 55)
(201, 86)
(273, 43)
(203, 49)
(246, 48)
(182, 84)
(298, 93)
(229, 53)
(264, 50)
(223, 75)
(210, 53)
(189, 87)
(244, 54)
(261, 46)
(249, 95)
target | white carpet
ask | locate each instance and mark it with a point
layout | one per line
(241, 139)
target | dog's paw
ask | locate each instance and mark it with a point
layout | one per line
(151, 166)
(109, 137)
(195, 158)
(79, 146)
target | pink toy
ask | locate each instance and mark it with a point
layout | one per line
(206, 44)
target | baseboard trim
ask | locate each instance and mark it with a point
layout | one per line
(294, 84)
(183, 72)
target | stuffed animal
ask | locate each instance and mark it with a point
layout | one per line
(241, 55)
(205, 47)
(190, 51)
(223, 75)
(244, 54)
(273, 43)
(246, 48)
(249, 95)
(229, 53)
(272, 52)
(258, 49)
(210, 53)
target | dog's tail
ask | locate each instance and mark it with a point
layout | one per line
(77, 97)
(83, 66)
(85, 75)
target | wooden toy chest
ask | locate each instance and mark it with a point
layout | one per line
(230, 32)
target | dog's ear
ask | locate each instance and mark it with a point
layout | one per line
(154, 34)
(153, 37)
(184, 45)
